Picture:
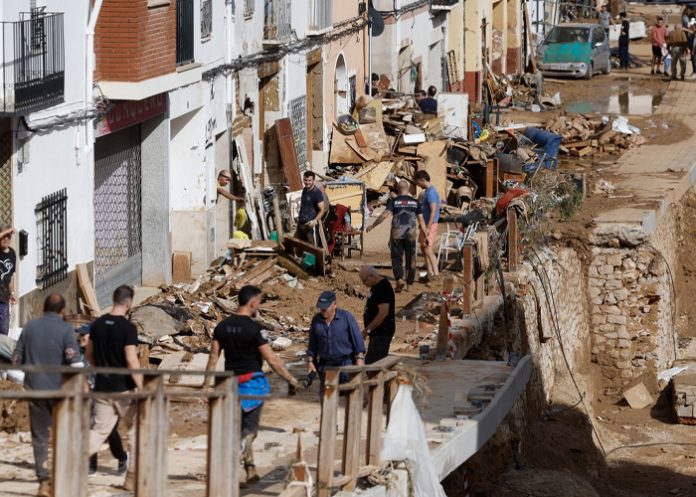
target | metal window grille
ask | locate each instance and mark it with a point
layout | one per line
(298, 120)
(206, 18)
(320, 15)
(52, 239)
(184, 31)
(33, 62)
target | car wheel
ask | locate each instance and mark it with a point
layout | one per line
(590, 70)
(608, 69)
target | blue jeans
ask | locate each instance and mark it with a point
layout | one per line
(4, 318)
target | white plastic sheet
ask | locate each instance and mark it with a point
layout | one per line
(406, 440)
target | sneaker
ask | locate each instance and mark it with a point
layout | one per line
(409, 288)
(666, 73)
(122, 466)
(399, 286)
(44, 489)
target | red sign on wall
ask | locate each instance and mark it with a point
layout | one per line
(127, 113)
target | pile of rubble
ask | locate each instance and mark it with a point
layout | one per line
(583, 135)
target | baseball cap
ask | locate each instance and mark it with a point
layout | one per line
(326, 299)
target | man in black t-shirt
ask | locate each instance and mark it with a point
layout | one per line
(407, 217)
(311, 210)
(113, 343)
(245, 350)
(8, 264)
(380, 323)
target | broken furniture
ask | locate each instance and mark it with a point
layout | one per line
(298, 248)
(351, 194)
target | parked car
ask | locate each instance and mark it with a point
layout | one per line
(575, 50)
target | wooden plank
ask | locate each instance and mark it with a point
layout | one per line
(292, 267)
(181, 267)
(580, 144)
(582, 152)
(278, 219)
(152, 427)
(340, 152)
(375, 175)
(327, 434)
(351, 439)
(298, 247)
(512, 240)
(490, 170)
(85, 283)
(223, 443)
(288, 154)
(468, 255)
(360, 139)
(443, 326)
(375, 403)
(70, 438)
(251, 275)
(322, 238)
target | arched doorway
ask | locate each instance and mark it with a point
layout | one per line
(340, 87)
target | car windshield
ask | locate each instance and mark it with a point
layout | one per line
(568, 34)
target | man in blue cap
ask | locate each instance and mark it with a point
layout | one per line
(335, 339)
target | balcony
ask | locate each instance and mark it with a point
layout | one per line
(184, 32)
(320, 17)
(276, 23)
(443, 4)
(33, 63)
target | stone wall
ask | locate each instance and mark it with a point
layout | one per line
(632, 297)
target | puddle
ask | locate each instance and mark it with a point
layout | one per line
(624, 103)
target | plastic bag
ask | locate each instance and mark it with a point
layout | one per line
(406, 440)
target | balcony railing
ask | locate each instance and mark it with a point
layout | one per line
(184, 32)
(276, 26)
(33, 62)
(320, 16)
(443, 4)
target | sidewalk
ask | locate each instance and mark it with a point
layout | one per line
(655, 175)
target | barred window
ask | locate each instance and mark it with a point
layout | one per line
(206, 18)
(52, 240)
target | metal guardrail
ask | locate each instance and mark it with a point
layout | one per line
(71, 424)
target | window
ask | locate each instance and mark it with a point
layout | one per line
(248, 8)
(206, 18)
(52, 241)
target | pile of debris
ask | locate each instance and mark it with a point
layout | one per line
(583, 135)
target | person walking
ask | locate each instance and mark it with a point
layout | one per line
(658, 34)
(8, 265)
(378, 317)
(604, 19)
(245, 347)
(45, 341)
(431, 214)
(407, 218)
(335, 338)
(623, 41)
(113, 343)
(679, 50)
(114, 440)
(312, 209)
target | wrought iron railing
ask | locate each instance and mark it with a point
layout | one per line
(206, 18)
(52, 239)
(33, 62)
(320, 12)
(276, 27)
(184, 31)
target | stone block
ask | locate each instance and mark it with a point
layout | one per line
(606, 328)
(614, 259)
(610, 309)
(614, 354)
(605, 269)
(628, 264)
(625, 354)
(638, 396)
(621, 294)
(599, 319)
(622, 332)
(622, 364)
(624, 344)
(616, 319)
(599, 339)
(596, 282)
(592, 272)
(610, 299)
(598, 300)
(594, 291)
(613, 284)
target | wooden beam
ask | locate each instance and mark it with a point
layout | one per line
(298, 247)
(512, 240)
(288, 154)
(327, 433)
(443, 326)
(152, 426)
(468, 275)
(375, 404)
(223, 440)
(71, 438)
(352, 431)
(84, 280)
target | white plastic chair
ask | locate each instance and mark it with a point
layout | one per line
(451, 242)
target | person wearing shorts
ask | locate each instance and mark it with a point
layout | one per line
(431, 213)
(659, 41)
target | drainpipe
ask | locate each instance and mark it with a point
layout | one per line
(89, 71)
